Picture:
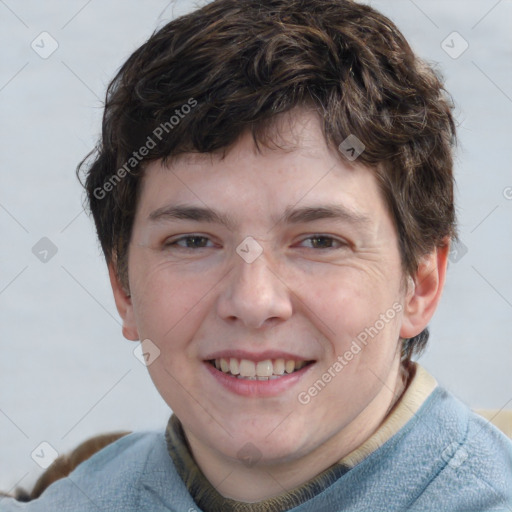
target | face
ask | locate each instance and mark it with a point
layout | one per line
(256, 274)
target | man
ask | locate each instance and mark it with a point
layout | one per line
(273, 193)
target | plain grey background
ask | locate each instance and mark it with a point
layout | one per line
(66, 372)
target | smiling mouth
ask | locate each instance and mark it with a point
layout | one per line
(268, 369)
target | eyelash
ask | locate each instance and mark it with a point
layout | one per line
(187, 237)
(332, 240)
(340, 243)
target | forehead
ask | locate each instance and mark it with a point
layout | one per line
(295, 167)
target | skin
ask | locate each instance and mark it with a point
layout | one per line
(304, 295)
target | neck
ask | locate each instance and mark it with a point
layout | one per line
(234, 480)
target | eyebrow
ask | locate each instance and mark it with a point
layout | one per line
(195, 213)
(332, 211)
(292, 215)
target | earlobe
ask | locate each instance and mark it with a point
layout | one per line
(124, 306)
(424, 291)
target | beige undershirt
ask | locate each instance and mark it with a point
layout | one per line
(417, 388)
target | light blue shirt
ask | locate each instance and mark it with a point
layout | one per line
(445, 459)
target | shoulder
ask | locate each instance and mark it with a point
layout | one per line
(112, 479)
(122, 462)
(474, 459)
(445, 458)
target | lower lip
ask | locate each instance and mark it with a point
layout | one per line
(257, 388)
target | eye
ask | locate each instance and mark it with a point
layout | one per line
(190, 242)
(322, 242)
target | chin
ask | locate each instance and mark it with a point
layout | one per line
(257, 444)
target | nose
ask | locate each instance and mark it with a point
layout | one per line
(254, 295)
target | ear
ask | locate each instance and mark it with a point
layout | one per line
(424, 291)
(124, 306)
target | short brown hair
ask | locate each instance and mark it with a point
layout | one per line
(236, 65)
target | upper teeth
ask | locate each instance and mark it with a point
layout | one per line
(266, 368)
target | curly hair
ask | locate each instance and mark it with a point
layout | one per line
(234, 65)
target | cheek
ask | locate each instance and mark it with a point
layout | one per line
(167, 303)
(359, 318)
(345, 302)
